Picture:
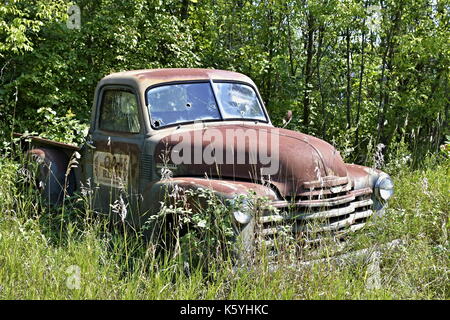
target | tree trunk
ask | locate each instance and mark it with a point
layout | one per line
(384, 80)
(319, 80)
(184, 9)
(361, 77)
(308, 70)
(349, 84)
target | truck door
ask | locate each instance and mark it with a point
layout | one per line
(117, 146)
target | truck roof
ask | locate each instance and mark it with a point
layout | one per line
(148, 77)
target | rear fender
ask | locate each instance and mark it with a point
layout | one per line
(52, 170)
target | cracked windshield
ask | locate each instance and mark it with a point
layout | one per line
(187, 102)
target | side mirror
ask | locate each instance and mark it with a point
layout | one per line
(287, 118)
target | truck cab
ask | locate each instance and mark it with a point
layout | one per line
(202, 128)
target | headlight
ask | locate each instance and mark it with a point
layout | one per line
(384, 187)
(241, 217)
(241, 212)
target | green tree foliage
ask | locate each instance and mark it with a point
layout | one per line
(62, 68)
(355, 72)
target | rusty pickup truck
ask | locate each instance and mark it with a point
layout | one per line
(209, 129)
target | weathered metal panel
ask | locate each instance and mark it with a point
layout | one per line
(313, 157)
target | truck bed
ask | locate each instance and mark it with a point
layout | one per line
(43, 141)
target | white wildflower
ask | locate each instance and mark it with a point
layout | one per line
(120, 207)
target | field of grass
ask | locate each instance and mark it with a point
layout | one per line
(53, 254)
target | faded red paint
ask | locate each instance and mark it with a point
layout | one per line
(157, 76)
(302, 158)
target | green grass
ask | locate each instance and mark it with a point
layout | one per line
(36, 254)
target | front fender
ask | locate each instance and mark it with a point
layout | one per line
(362, 177)
(157, 191)
(365, 177)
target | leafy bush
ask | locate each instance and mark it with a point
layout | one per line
(64, 129)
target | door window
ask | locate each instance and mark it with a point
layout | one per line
(119, 111)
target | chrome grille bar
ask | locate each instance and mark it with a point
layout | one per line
(338, 214)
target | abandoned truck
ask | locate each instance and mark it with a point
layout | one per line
(210, 130)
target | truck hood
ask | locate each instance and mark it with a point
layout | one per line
(262, 154)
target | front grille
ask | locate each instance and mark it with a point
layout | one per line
(326, 207)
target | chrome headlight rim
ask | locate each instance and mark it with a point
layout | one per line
(384, 187)
(241, 212)
(241, 217)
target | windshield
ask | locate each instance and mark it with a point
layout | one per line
(238, 101)
(188, 102)
(178, 103)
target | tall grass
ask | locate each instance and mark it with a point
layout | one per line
(86, 259)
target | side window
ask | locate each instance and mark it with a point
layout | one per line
(119, 111)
